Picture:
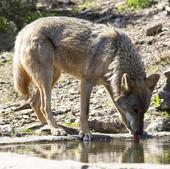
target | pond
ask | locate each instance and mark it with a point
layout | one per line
(155, 151)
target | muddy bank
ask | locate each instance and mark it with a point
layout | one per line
(95, 137)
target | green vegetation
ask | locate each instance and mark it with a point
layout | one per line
(157, 102)
(1, 63)
(32, 16)
(25, 131)
(16, 10)
(153, 68)
(76, 125)
(88, 4)
(165, 114)
(135, 4)
(131, 5)
(62, 81)
(5, 25)
(122, 7)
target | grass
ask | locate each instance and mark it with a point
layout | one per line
(157, 102)
(32, 16)
(5, 25)
(25, 130)
(165, 114)
(122, 7)
(153, 68)
(1, 63)
(88, 4)
(131, 5)
(139, 4)
(61, 81)
(76, 125)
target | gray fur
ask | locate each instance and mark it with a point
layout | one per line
(94, 53)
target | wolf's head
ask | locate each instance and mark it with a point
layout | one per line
(134, 100)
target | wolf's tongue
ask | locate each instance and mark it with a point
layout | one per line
(136, 137)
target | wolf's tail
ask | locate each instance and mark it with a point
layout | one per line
(20, 76)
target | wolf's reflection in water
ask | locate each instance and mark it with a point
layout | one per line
(117, 151)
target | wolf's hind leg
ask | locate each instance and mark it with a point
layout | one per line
(44, 83)
(35, 104)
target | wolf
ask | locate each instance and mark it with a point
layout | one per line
(96, 54)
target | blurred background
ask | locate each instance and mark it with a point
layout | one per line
(14, 14)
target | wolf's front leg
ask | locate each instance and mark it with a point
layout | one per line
(86, 88)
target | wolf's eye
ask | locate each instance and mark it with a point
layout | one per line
(136, 109)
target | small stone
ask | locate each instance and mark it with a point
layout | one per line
(164, 94)
(34, 125)
(167, 72)
(118, 5)
(160, 6)
(153, 29)
(119, 22)
(100, 91)
(160, 124)
(26, 111)
(25, 116)
(6, 130)
(167, 10)
(77, 120)
(72, 91)
(70, 119)
(45, 130)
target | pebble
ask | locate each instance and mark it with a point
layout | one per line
(153, 29)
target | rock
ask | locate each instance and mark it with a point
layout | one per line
(105, 19)
(6, 130)
(111, 126)
(165, 93)
(119, 22)
(167, 73)
(153, 29)
(167, 10)
(45, 130)
(70, 119)
(150, 40)
(34, 126)
(161, 6)
(72, 91)
(160, 124)
(100, 91)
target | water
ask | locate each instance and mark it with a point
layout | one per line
(155, 151)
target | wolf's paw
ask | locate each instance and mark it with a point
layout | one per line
(85, 136)
(58, 132)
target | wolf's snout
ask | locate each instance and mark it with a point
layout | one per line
(139, 132)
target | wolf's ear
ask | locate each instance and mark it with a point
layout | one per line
(126, 83)
(152, 80)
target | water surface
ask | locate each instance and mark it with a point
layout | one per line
(155, 151)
